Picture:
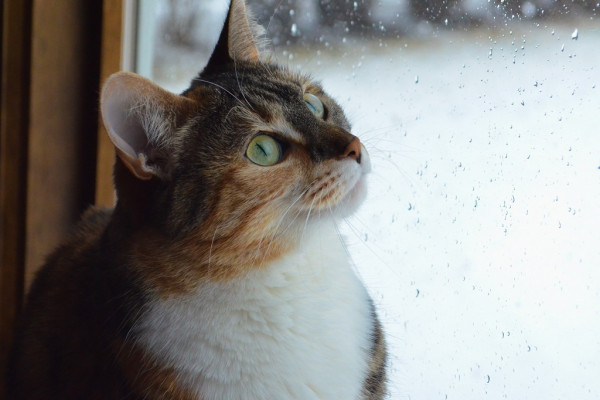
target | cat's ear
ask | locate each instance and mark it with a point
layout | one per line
(237, 41)
(140, 119)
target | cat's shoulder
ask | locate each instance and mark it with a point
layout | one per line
(92, 224)
(76, 252)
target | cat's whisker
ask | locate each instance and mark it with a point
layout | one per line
(340, 238)
(220, 87)
(309, 212)
(275, 10)
(226, 118)
(357, 234)
(289, 225)
(385, 129)
(275, 231)
(212, 242)
(237, 79)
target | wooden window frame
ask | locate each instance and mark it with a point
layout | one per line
(55, 159)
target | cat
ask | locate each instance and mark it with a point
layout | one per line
(220, 273)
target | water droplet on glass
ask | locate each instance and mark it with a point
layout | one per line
(575, 34)
(417, 79)
(294, 30)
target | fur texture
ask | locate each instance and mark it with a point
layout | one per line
(215, 277)
(304, 316)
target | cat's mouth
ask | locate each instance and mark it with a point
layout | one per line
(358, 192)
(341, 189)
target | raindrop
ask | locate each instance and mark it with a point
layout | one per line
(294, 30)
(417, 79)
(575, 34)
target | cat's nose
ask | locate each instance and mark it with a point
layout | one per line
(353, 150)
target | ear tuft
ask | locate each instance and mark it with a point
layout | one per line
(139, 117)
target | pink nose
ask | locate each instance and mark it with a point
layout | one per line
(352, 150)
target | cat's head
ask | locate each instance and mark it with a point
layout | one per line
(238, 165)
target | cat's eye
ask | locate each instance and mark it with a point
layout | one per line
(264, 150)
(314, 105)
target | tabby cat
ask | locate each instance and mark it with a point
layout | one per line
(220, 273)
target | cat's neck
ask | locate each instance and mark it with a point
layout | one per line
(176, 266)
(259, 326)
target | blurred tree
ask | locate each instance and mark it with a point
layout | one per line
(432, 10)
(180, 22)
(546, 8)
(511, 8)
(354, 15)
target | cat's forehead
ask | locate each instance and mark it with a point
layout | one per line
(261, 81)
(266, 97)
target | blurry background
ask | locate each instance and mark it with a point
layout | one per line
(480, 239)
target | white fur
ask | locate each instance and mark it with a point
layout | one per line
(296, 329)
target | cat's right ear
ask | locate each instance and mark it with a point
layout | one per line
(140, 118)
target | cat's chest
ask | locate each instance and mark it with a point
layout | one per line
(299, 329)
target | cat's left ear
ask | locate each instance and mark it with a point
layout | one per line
(141, 118)
(237, 41)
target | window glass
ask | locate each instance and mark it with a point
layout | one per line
(480, 237)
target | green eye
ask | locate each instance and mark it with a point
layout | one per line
(314, 105)
(264, 150)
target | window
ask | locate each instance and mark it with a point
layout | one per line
(480, 238)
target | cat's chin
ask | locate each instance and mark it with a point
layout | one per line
(355, 197)
(352, 201)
